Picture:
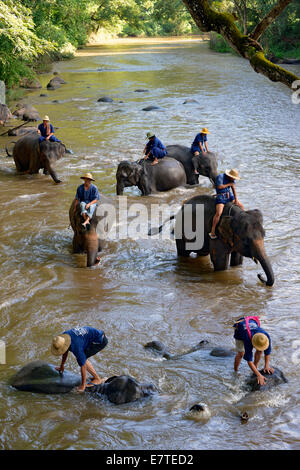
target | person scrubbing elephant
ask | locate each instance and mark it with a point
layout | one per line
(83, 342)
(248, 335)
(154, 149)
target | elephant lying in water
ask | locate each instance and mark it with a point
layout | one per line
(272, 380)
(40, 377)
(166, 175)
(240, 233)
(30, 155)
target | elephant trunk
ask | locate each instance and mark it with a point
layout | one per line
(119, 188)
(48, 167)
(91, 248)
(260, 254)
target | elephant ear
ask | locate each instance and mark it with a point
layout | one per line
(225, 230)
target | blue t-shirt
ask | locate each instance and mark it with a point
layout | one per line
(223, 179)
(154, 143)
(81, 338)
(199, 138)
(89, 195)
(43, 130)
(241, 333)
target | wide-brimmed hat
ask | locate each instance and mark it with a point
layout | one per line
(233, 173)
(260, 341)
(60, 344)
(46, 118)
(87, 176)
(205, 131)
(150, 134)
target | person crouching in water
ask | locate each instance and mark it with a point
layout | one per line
(83, 342)
(248, 335)
(46, 131)
(225, 187)
(154, 149)
(87, 195)
(199, 147)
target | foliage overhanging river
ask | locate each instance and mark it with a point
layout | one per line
(141, 291)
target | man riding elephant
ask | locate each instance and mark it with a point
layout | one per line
(199, 147)
(46, 131)
(87, 195)
(154, 149)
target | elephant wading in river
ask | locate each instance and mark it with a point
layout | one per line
(206, 164)
(30, 155)
(166, 175)
(240, 233)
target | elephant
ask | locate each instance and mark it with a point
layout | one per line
(240, 233)
(30, 155)
(272, 380)
(123, 389)
(166, 175)
(199, 412)
(163, 351)
(206, 165)
(21, 131)
(85, 239)
(41, 377)
(5, 114)
(38, 376)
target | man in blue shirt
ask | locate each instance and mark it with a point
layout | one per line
(46, 131)
(83, 342)
(249, 335)
(225, 187)
(87, 195)
(199, 146)
(154, 148)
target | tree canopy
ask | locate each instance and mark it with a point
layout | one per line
(33, 29)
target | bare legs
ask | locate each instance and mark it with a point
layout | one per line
(217, 216)
(96, 379)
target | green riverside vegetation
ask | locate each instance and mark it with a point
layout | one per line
(35, 32)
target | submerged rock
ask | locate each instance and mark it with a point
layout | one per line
(151, 108)
(105, 99)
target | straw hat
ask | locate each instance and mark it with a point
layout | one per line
(46, 118)
(233, 173)
(60, 344)
(205, 131)
(150, 134)
(260, 341)
(87, 176)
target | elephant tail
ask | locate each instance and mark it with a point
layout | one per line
(7, 152)
(156, 230)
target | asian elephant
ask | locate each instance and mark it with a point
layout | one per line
(41, 377)
(85, 239)
(240, 233)
(206, 164)
(166, 175)
(30, 155)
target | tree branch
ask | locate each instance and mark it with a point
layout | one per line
(208, 19)
(269, 19)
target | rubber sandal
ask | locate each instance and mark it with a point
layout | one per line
(213, 237)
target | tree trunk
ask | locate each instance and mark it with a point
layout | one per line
(208, 19)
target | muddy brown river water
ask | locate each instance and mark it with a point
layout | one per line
(141, 291)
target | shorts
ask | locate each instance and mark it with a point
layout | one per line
(239, 345)
(94, 348)
(223, 199)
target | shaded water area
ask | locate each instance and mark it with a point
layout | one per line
(141, 291)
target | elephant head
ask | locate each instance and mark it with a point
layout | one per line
(207, 165)
(49, 153)
(244, 233)
(132, 174)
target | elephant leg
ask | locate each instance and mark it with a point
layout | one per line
(236, 259)
(77, 247)
(219, 255)
(99, 246)
(180, 245)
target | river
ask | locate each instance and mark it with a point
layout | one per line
(141, 291)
